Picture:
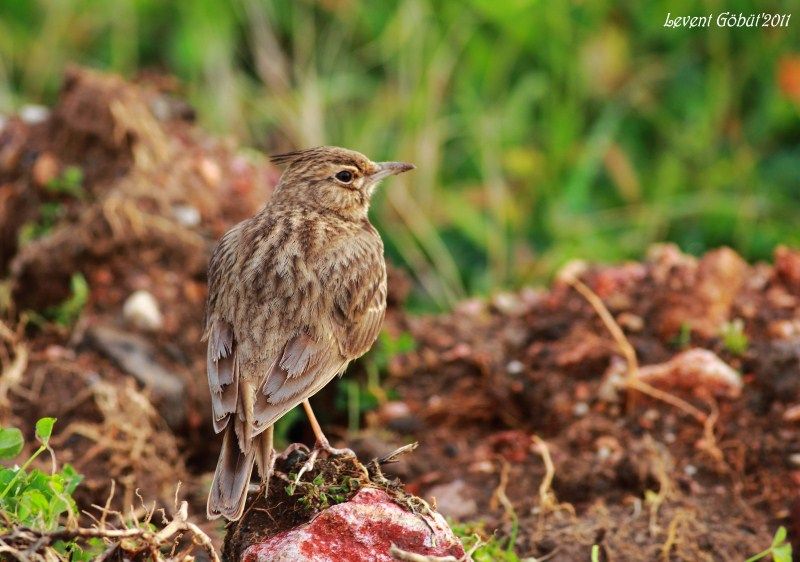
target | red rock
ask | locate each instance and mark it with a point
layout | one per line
(364, 528)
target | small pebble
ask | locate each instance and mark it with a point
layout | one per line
(795, 459)
(580, 409)
(186, 215)
(690, 470)
(33, 114)
(792, 413)
(211, 172)
(514, 367)
(506, 303)
(141, 310)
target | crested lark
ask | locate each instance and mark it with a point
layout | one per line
(295, 293)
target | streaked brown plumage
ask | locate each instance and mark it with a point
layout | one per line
(295, 293)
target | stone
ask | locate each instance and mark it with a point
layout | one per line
(141, 311)
(365, 528)
(454, 500)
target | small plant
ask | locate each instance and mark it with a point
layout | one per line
(733, 337)
(49, 214)
(69, 183)
(780, 550)
(483, 548)
(34, 499)
(66, 313)
(39, 517)
(319, 495)
(683, 339)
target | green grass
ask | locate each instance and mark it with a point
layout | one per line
(542, 131)
(486, 548)
(733, 337)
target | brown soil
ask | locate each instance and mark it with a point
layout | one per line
(490, 390)
(638, 476)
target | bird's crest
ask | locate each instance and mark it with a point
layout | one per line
(297, 155)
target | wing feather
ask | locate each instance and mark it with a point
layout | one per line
(285, 386)
(223, 373)
(362, 307)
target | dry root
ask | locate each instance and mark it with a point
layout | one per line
(131, 539)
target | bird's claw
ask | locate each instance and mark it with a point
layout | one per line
(333, 451)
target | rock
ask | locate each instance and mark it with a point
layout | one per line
(698, 294)
(787, 268)
(186, 215)
(792, 413)
(141, 311)
(453, 500)
(33, 114)
(364, 528)
(136, 356)
(698, 370)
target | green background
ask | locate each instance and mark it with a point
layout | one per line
(543, 131)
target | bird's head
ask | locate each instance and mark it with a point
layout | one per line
(333, 179)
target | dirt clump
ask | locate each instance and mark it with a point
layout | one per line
(697, 470)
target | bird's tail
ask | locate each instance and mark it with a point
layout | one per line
(232, 477)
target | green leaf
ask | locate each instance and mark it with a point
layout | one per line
(34, 502)
(782, 553)
(780, 536)
(44, 429)
(71, 478)
(11, 442)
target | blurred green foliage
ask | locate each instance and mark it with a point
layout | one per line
(542, 131)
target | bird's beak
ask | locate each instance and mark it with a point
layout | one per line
(386, 169)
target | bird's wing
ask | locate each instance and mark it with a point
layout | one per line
(222, 365)
(308, 363)
(359, 321)
(303, 368)
(223, 372)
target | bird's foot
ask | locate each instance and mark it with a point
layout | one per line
(320, 446)
(308, 465)
(333, 451)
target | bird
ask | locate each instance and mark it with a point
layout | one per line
(296, 292)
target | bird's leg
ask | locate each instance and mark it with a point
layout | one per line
(322, 441)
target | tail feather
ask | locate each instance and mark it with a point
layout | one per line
(232, 478)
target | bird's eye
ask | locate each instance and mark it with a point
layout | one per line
(345, 176)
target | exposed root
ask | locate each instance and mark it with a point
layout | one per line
(629, 353)
(22, 543)
(499, 496)
(673, 536)
(660, 467)
(547, 498)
